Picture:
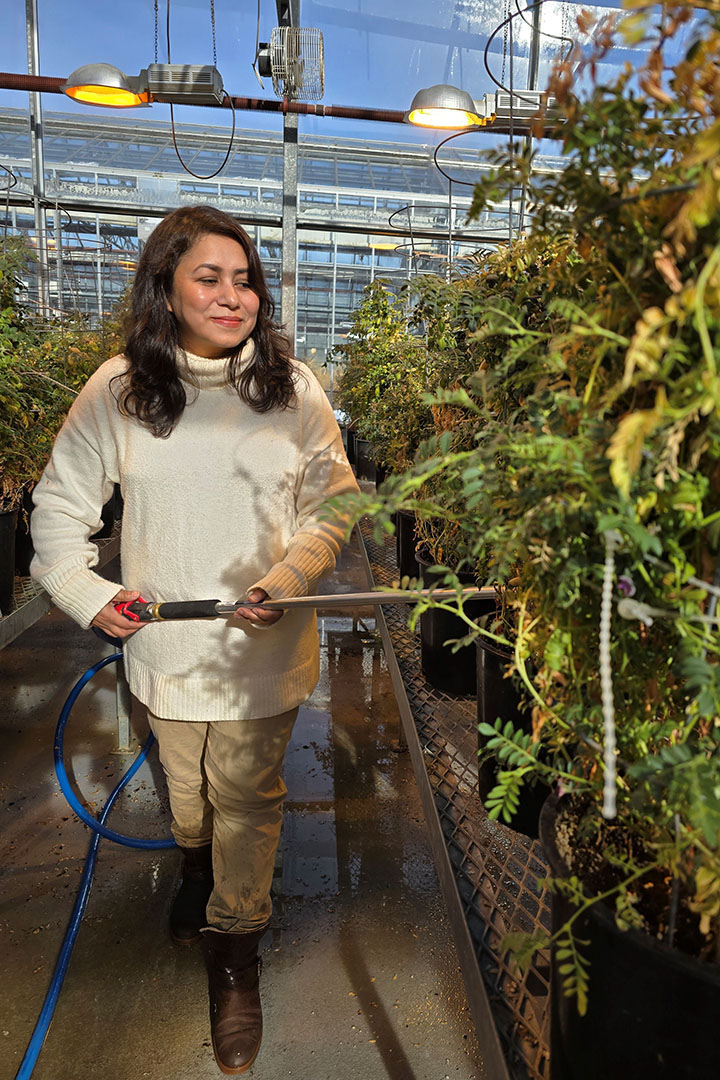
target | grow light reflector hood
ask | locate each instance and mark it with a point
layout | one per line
(175, 84)
(443, 106)
(104, 84)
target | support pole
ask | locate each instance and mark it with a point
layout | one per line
(532, 79)
(38, 157)
(123, 704)
(450, 232)
(59, 259)
(288, 286)
(99, 271)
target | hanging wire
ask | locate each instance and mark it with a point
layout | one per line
(212, 25)
(507, 27)
(506, 24)
(167, 29)
(454, 135)
(400, 210)
(564, 34)
(59, 210)
(518, 14)
(203, 176)
(197, 176)
(512, 131)
(257, 48)
(451, 180)
(11, 183)
(565, 26)
(69, 268)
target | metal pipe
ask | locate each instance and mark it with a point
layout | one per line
(40, 84)
(46, 85)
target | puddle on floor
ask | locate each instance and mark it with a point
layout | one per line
(343, 816)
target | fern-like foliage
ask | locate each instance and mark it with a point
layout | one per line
(513, 747)
(574, 968)
(518, 752)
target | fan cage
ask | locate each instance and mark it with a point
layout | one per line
(297, 63)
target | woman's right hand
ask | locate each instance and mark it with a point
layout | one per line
(112, 622)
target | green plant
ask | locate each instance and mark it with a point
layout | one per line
(383, 378)
(402, 351)
(597, 405)
(42, 368)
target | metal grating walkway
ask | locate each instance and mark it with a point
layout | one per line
(490, 874)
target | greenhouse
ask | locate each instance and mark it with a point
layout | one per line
(360, 539)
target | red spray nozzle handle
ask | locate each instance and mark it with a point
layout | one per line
(131, 609)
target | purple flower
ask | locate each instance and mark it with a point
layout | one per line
(625, 585)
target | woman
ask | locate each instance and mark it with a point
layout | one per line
(225, 449)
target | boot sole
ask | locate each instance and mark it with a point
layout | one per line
(185, 941)
(226, 1070)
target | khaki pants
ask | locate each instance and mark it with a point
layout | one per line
(225, 785)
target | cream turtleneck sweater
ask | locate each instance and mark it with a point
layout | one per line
(230, 501)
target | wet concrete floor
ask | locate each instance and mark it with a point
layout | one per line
(360, 975)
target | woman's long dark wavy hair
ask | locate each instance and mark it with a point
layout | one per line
(151, 386)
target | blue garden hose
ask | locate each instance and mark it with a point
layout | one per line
(99, 829)
(95, 824)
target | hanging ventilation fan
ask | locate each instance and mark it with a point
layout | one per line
(294, 59)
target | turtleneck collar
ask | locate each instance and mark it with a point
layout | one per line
(209, 373)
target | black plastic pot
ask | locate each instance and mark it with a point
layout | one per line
(453, 673)
(405, 541)
(24, 549)
(365, 467)
(8, 525)
(498, 696)
(651, 1009)
(110, 513)
(350, 445)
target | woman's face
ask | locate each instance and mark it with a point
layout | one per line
(211, 299)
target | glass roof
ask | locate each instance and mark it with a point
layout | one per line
(378, 53)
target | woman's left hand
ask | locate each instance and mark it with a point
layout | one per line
(258, 616)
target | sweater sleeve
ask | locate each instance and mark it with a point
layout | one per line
(325, 473)
(68, 501)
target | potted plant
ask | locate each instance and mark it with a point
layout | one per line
(42, 368)
(593, 494)
(401, 351)
(381, 383)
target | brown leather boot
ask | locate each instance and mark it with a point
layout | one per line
(235, 1011)
(187, 916)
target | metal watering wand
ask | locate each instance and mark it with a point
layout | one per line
(146, 611)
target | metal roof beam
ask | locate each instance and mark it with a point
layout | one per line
(288, 12)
